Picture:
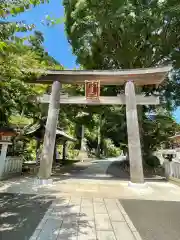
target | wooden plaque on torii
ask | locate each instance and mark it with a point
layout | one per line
(92, 90)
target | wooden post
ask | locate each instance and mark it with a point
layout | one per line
(83, 150)
(50, 133)
(98, 148)
(38, 144)
(64, 151)
(54, 155)
(3, 153)
(82, 137)
(135, 157)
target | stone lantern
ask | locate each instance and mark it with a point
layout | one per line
(6, 135)
(83, 156)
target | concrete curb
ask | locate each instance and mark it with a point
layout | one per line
(174, 180)
(128, 221)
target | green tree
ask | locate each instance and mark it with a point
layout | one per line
(120, 34)
(16, 58)
(125, 34)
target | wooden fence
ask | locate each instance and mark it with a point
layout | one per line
(172, 169)
(12, 166)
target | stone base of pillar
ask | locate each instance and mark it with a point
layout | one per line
(138, 185)
(43, 182)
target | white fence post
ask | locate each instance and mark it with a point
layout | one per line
(172, 169)
(9, 166)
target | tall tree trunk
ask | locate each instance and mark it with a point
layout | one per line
(38, 144)
(140, 120)
(54, 156)
(98, 149)
(82, 137)
(64, 152)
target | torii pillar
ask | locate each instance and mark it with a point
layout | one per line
(134, 145)
(46, 159)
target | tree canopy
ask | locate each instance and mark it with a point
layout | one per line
(16, 57)
(121, 34)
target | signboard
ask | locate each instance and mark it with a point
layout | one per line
(92, 90)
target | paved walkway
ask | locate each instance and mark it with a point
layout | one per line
(80, 206)
(101, 166)
(85, 219)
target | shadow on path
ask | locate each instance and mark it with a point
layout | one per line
(112, 169)
(116, 170)
(20, 214)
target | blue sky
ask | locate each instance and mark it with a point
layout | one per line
(56, 43)
(177, 115)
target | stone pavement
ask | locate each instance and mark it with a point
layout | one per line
(87, 206)
(88, 209)
(85, 186)
(86, 219)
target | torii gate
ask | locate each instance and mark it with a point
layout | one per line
(129, 78)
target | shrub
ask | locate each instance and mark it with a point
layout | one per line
(110, 149)
(152, 161)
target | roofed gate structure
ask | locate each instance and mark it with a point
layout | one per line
(128, 78)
